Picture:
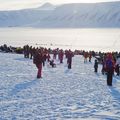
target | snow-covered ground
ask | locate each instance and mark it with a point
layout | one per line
(76, 94)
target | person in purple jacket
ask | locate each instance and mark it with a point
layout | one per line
(110, 69)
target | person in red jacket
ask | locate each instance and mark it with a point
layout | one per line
(54, 54)
(85, 57)
(90, 56)
(48, 57)
(69, 59)
(38, 60)
(61, 54)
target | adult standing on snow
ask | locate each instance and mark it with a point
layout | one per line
(85, 57)
(104, 65)
(96, 66)
(54, 54)
(110, 69)
(38, 60)
(118, 65)
(69, 59)
(61, 54)
(90, 56)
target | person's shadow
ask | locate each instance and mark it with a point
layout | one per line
(22, 86)
(115, 93)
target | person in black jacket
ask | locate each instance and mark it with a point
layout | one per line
(96, 66)
(117, 70)
(52, 63)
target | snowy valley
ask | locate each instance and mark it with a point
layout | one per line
(82, 15)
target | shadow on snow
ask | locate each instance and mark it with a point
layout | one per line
(22, 86)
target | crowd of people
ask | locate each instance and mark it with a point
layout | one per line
(110, 61)
(41, 55)
(10, 49)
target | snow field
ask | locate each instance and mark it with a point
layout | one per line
(76, 94)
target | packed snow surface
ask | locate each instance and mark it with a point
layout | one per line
(76, 94)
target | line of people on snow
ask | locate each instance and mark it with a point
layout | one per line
(110, 61)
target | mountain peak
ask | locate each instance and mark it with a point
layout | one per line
(47, 6)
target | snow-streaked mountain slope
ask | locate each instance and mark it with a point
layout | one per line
(62, 94)
(68, 15)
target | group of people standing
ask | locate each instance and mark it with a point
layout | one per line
(110, 64)
(41, 55)
(110, 61)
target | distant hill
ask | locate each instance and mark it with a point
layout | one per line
(46, 6)
(74, 15)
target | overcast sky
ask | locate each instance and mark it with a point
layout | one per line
(21, 4)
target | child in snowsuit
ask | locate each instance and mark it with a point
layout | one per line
(48, 57)
(61, 54)
(54, 54)
(85, 57)
(52, 63)
(96, 66)
(44, 58)
(117, 69)
(90, 56)
(103, 67)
